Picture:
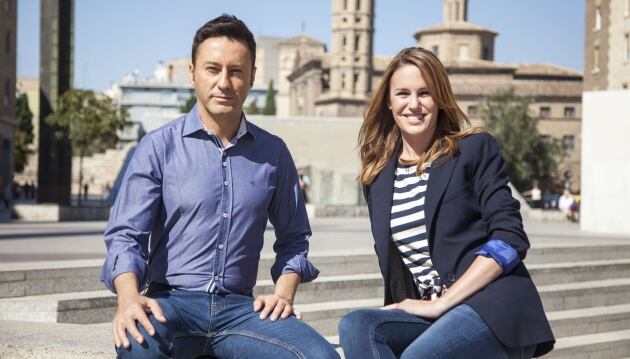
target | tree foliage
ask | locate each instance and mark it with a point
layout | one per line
(529, 156)
(270, 100)
(252, 108)
(89, 122)
(24, 135)
(188, 105)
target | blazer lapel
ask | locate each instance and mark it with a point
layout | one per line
(439, 178)
(382, 191)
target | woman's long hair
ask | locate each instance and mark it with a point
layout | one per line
(379, 134)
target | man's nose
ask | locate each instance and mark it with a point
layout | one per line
(224, 80)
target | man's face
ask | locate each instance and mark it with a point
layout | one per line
(222, 75)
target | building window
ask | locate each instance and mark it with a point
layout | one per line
(485, 53)
(343, 81)
(627, 8)
(436, 50)
(344, 41)
(355, 81)
(627, 52)
(357, 38)
(624, 85)
(463, 52)
(473, 110)
(598, 19)
(596, 59)
(569, 112)
(345, 4)
(568, 142)
(545, 112)
(358, 5)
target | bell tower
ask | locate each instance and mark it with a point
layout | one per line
(350, 78)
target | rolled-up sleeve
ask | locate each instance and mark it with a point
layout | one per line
(133, 214)
(287, 213)
(502, 253)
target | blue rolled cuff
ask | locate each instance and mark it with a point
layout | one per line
(295, 264)
(120, 263)
(503, 253)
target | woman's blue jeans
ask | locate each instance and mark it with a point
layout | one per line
(223, 326)
(384, 334)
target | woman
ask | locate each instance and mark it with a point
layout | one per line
(448, 234)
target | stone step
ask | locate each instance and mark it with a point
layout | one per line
(591, 251)
(20, 339)
(590, 320)
(98, 306)
(578, 295)
(26, 279)
(325, 316)
(614, 344)
(553, 273)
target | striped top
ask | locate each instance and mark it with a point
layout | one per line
(408, 228)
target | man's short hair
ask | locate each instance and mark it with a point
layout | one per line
(229, 26)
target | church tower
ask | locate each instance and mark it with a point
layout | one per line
(456, 39)
(350, 59)
(455, 11)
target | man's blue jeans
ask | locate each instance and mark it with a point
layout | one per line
(223, 326)
(384, 334)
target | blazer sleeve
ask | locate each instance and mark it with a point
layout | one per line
(500, 210)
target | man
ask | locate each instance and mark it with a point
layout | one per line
(202, 188)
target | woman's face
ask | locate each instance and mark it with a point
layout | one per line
(414, 111)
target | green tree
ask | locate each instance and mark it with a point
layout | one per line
(252, 108)
(188, 105)
(90, 123)
(24, 135)
(528, 155)
(270, 100)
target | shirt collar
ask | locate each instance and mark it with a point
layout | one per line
(193, 124)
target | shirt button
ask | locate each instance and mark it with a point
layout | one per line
(220, 246)
(226, 183)
(225, 215)
(224, 164)
(450, 277)
(216, 277)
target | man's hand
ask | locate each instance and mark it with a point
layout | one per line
(421, 308)
(280, 303)
(133, 307)
(279, 307)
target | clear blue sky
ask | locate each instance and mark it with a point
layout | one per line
(114, 37)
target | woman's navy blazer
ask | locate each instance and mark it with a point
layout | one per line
(467, 203)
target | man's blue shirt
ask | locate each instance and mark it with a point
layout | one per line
(192, 214)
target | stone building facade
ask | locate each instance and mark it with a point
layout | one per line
(607, 45)
(8, 123)
(467, 51)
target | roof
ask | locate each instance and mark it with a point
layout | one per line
(455, 27)
(301, 39)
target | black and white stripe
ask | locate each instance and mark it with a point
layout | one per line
(408, 227)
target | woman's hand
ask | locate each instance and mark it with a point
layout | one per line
(421, 308)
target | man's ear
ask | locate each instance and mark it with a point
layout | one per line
(253, 77)
(191, 73)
